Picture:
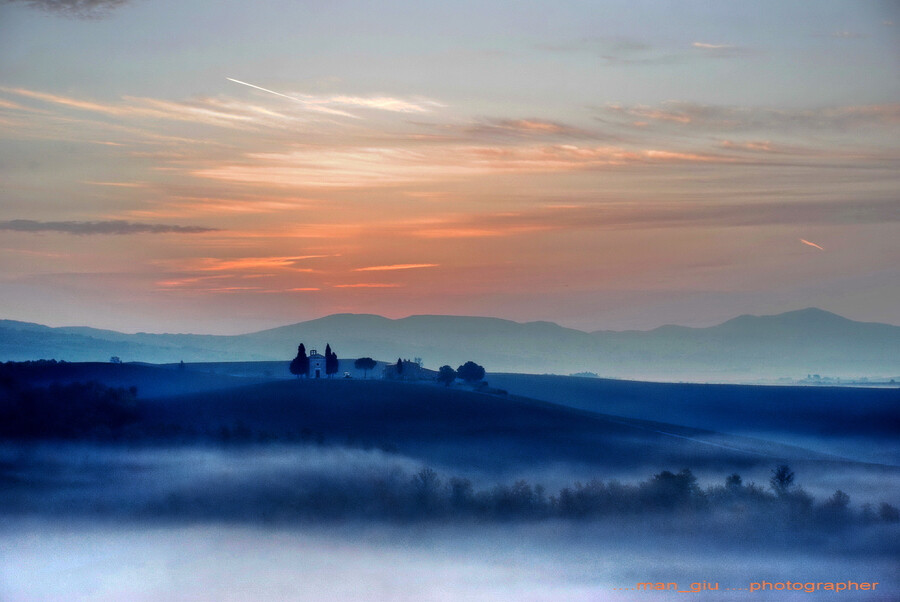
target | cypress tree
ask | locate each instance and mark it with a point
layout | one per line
(331, 361)
(300, 364)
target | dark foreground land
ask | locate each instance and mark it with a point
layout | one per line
(633, 470)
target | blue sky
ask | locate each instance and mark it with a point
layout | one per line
(597, 164)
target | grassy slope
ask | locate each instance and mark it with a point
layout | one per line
(864, 417)
(462, 428)
(448, 425)
(868, 412)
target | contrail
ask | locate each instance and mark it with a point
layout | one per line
(307, 104)
(812, 244)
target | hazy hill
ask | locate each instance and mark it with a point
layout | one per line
(445, 426)
(858, 423)
(453, 426)
(748, 347)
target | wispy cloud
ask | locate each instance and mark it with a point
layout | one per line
(323, 103)
(209, 111)
(13, 106)
(844, 35)
(752, 145)
(657, 215)
(103, 227)
(119, 184)
(368, 285)
(187, 281)
(386, 166)
(505, 129)
(812, 244)
(399, 266)
(614, 50)
(80, 9)
(724, 117)
(720, 51)
(774, 153)
(247, 278)
(304, 101)
(383, 103)
(620, 51)
(706, 46)
(214, 264)
(179, 206)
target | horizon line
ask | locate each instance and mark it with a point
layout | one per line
(522, 323)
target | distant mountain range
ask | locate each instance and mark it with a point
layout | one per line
(791, 344)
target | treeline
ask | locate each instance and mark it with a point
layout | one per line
(426, 496)
(88, 410)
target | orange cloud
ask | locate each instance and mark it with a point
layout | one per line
(180, 206)
(212, 264)
(367, 285)
(385, 103)
(811, 244)
(385, 166)
(762, 146)
(457, 232)
(399, 266)
(119, 184)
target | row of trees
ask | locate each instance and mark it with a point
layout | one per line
(469, 372)
(88, 410)
(664, 493)
(738, 510)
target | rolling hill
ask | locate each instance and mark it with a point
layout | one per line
(856, 423)
(451, 426)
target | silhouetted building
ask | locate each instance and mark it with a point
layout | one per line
(316, 364)
(411, 371)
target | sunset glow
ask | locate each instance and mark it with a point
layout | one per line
(622, 167)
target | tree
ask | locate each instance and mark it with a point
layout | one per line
(115, 360)
(782, 479)
(331, 361)
(446, 375)
(427, 488)
(838, 502)
(733, 481)
(470, 372)
(888, 513)
(365, 364)
(300, 364)
(399, 366)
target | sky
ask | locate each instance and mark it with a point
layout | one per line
(228, 166)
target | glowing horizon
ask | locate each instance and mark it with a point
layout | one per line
(623, 172)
